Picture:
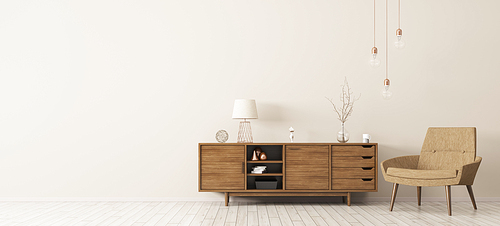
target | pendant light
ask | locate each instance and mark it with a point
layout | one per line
(400, 44)
(386, 93)
(374, 62)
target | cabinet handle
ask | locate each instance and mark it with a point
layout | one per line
(243, 167)
(366, 157)
(367, 168)
(367, 179)
(367, 146)
(293, 148)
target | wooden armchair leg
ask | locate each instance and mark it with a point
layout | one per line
(393, 197)
(447, 189)
(419, 195)
(471, 195)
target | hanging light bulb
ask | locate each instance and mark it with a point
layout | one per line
(386, 93)
(374, 62)
(400, 44)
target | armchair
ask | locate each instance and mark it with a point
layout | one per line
(448, 157)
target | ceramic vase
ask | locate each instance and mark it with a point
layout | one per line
(254, 156)
(263, 156)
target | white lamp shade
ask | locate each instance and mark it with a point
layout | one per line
(244, 109)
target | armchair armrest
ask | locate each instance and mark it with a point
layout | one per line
(406, 162)
(468, 172)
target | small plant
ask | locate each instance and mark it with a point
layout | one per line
(345, 110)
(347, 99)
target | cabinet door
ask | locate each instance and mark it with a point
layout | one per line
(306, 167)
(222, 167)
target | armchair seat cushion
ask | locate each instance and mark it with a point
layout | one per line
(421, 174)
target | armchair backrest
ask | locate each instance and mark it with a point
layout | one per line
(448, 148)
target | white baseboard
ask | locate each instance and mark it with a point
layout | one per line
(236, 199)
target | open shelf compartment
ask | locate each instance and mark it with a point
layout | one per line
(273, 152)
(268, 180)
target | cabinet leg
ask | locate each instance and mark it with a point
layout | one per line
(348, 199)
(227, 198)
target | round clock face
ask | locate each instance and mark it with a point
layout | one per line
(221, 136)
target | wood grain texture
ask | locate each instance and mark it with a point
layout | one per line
(306, 167)
(208, 213)
(270, 193)
(354, 184)
(221, 167)
(355, 161)
(365, 150)
(353, 172)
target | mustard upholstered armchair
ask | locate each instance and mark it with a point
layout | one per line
(448, 157)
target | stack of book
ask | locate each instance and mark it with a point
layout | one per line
(259, 169)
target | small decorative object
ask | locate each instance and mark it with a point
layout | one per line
(263, 156)
(343, 135)
(258, 151)
(259, 169)
(254, 156)
(347, 98)
(291, 133)
(245, 109)
(366, 138)
(221, 136)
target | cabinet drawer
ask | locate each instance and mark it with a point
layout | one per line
(354, 184)
(366, 161)
(367, 172)
(308, 170)
(307, 183)
(367, 150)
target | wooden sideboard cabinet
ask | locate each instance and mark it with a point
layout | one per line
(295, 169)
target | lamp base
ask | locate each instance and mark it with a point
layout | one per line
(245, 132)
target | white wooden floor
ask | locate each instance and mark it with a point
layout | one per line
(215, 213)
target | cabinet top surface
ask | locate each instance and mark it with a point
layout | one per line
(294, 143)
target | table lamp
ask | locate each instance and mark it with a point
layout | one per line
(245, 109)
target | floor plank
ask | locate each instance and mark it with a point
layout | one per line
(253, 218)
(165, 219)
(263, 215)
(242, 218)
(200, 215)
(283, 214)
(242, 213)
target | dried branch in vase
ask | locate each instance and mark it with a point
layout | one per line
(347, 99)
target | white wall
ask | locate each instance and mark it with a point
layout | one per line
(110, 98)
